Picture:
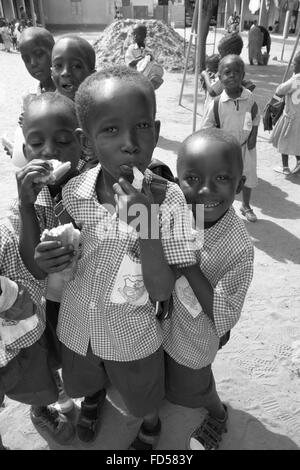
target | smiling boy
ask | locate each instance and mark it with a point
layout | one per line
(208, 298)
(73, 59)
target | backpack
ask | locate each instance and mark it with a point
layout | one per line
(272, 112)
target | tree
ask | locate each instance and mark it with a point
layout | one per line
(210, 8)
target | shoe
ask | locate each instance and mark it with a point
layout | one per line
(296, 169)
(249, 214)
(209, 434)
(88, 423)
(283, 170)
(48, 419)
(146, 440)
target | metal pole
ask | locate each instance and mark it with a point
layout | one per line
(188, 51)
(198, 54)
(285, 30)
(242, 16)
(32, 13)
(292, 56)
(1, 8)
(42, 15)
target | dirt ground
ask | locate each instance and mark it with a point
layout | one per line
(256, 373)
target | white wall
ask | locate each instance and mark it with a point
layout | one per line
(64, 12)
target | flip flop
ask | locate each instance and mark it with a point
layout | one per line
(284, 170)
(249, 214)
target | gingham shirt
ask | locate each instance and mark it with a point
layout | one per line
(12, 267)
(226, 259)
(116, 331)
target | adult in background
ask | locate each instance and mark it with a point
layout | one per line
(233, 23)
(266, 39)
(255, 42)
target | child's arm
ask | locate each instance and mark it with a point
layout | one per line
(209, 120)
(252, 139)
(158, 277)
(213, 89)
(223, 303)
(287, 87)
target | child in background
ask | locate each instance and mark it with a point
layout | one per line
(208, 298)
(285, 136)
(236, 112)
(49, 125)
(6, 35)
(73, 59)
(107, 321)
(25, 373)
(35, 45)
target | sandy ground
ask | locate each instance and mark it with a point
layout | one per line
(255, 373)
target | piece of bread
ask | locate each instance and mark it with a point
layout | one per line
(59, 169)
(138, 178)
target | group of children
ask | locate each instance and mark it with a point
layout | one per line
(102, 326)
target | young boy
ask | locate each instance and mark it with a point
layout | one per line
(208, 299)
(73, 59)
(49, 132)
(237, 112)
(107, 321)
(35, 46)
(25, 373)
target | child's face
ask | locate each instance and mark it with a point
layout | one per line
(49, 133)
(121, 127)
(210, 175)
(296, 65)
(231, 75)
(37, 59)
(69, 67)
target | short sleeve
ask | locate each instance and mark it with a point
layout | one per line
(217, 87)
(230, 293)
(209, 120)
(177, 234)
(287, 87)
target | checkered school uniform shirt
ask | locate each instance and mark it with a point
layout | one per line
(12, 267)
(89, 314)
(226, 259)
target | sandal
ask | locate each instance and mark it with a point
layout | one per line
(146, 440)
(282, 169)
(209, 434)
(88, 423)
(249, 214)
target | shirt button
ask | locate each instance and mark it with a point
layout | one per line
(92, 305)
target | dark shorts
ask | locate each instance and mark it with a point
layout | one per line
(193, 388)
(54, 345)
(140, 383)
(28, 377)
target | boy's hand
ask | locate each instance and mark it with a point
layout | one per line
(51, 257)
(127, 196)
(22, 308)
(28, 189)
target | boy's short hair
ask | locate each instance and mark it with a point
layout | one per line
(233, 57)
(89, 52)
(84, 97)
(214, 135)
(52, 98)
(140, 27)
(40, 35)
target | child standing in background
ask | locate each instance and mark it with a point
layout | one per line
(285, 136)
(236, 112)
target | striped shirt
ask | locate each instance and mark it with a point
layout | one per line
(226, 259)
(107, 304)
(12, 267)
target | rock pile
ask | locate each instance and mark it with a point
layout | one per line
(164, 42)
